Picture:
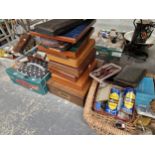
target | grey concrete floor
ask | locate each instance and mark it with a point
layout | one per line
(25, 112)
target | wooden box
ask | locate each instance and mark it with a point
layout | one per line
(80, 83)
(75, 62)
(73, 52)
(70, 94)
(71, 72)
(73, 36)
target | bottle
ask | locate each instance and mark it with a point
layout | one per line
(113, 102)
(129, 100)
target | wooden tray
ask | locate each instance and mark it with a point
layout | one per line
(80, 83)
(73, 52)
(75, 62)
(72, 36)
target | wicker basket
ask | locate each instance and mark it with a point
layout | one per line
(104, 124)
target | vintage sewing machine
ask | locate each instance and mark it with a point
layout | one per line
(139, 40)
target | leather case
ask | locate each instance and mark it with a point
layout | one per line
(57, 26)
(70, 70)
(75, 62)
(130, 76)
(80, 83)
(23, 41)
(72, 36)
(73, 52)
(73, 95)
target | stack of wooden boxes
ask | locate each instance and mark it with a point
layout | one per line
(70, 69)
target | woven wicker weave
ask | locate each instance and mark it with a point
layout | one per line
(104, 124)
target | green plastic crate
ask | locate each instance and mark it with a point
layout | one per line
(36, 85)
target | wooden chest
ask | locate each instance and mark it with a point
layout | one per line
(70, 94)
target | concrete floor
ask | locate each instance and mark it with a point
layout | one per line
(25, 112)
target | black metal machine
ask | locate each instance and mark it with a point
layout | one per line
(139, 40)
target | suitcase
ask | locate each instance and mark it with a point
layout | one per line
(72, 52)
(76, 72)
(80, 83)
(22, 43)
(70, 94)
(75, 62)
(72, 36)
(57, 26)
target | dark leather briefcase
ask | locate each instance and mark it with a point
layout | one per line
(80, 83)
(130, 76)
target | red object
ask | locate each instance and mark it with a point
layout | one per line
(27, 85)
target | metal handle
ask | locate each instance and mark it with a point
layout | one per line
(134, 23)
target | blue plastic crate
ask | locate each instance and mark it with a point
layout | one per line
(145, 92)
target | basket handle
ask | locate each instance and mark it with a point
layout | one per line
(36, 65)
